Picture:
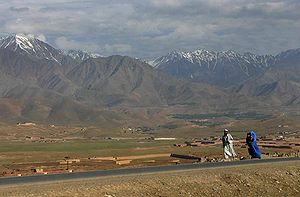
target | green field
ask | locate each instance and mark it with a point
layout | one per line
(236, 116)
(36, 151)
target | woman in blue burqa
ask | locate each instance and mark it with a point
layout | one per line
(252, 145)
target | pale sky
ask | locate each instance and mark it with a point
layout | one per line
(151, 28)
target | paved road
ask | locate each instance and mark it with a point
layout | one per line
(128, 171)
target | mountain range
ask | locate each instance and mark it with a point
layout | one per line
(272, 79)
(41, 83)
(223, 69)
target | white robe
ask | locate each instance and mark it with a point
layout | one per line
(228, 146)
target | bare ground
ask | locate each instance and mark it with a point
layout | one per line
(279, 179)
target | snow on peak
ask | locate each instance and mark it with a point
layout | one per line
(21, 41)
(28, 44)
(24, 42)
(211, 59)
(192, 57)
(81, 55)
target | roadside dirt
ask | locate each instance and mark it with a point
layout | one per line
(280, 179)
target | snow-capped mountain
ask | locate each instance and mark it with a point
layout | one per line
(81, 55)
(224, 68)
(30, 45)
(211, 59)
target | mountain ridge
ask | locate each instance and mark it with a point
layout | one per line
(48, 89)
(223, 69)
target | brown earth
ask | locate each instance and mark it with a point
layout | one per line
(280, 179)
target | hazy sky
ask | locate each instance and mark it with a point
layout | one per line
(149, 28)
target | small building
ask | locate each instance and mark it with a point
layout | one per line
(208, 142)
(193, 143)
(149, 161)
(73, 160)
(123, 162)
(68, 161)
(180, 145)
(176, 161)
(26, 124)
(38, 170)
(164, 138)
(103, 158)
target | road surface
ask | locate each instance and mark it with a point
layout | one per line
(130, 171)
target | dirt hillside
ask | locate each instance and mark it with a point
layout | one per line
(281, 179)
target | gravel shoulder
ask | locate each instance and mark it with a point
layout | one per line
(272, 179)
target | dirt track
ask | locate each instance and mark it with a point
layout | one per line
(256, 180)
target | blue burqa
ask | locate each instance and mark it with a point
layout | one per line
(252, 145)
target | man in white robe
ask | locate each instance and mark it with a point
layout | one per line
(227, 140)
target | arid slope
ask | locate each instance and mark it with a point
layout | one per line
(255, 180)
